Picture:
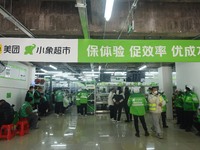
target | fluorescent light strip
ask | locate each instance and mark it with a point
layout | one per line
(143, 67)
(40, 73)
(109, 72)
(53, 67)
(108, 9)
(89, 72)
(44, 70)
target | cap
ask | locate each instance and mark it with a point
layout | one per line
(189, 86)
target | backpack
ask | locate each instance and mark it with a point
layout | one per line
(7, 113)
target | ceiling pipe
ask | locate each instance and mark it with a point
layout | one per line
(13, 20)
(82, 9)
(133, 6)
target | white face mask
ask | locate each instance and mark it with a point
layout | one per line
(155, 92)
(117, 92)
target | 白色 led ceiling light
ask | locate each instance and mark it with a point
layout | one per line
(108, 9)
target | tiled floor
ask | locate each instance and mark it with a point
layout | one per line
(97, 132)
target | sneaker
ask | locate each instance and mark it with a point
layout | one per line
(57, 115)
(118, 121)
(113, 119)
(137, 134)
(146, 133)
(159, 136)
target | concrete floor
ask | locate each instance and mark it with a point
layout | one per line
(97, 132)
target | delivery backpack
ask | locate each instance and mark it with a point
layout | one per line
(6, 113)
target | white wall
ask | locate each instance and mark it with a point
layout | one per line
(16, 84)
(188, 74)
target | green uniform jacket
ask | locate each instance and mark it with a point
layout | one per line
(179, 100)
(37, 96)
(164, 108)
(30, 94)
(22, 112)
(78, 99)
(59, 96)
(83, 97)
(137, 104)
(190, 102)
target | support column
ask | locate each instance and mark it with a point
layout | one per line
(166, 84)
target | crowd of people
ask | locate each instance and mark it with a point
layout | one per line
(36, 104)
(137, 105)
(134, 103)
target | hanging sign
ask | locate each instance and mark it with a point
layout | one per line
(116, 51)
(98, 51)
(40, 50)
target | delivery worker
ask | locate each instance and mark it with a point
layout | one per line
(156, 103)
(59, 97)
(26, 111)
(197, 122)
(83, 101)
(30, 93)
(138, 105)
(164, 110)
(178, 97)
(190, 107)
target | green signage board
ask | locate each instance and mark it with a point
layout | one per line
(101, 51)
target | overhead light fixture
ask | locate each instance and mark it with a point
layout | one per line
(143, 67)
(109, 72)
(40, 73)
(99, 68)
(108, 9)
(44, 70)
(18, 24)
(89, 72)
(53, 67)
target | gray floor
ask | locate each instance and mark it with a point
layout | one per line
(97, 132)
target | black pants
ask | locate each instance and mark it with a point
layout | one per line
(112, 111)
(83, 107)
(78, 109)
(179, 112)
(142, 120)
(59, 109)
(33, 119)
(43, 108)
(117, 111)
(164, 123)
(188, 119)
(197, 126)
(127, 111)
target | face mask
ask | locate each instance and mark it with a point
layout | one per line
(155, 92)
(117, 92)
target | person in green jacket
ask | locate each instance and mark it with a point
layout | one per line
(138, 105)
(164, 110)
(26, 111)
(190, 107)
(197, 122)
(59, 97)
(30, 93)
(83, 101)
